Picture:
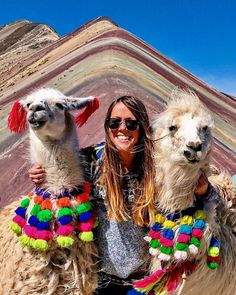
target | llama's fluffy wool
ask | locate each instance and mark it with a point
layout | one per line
(181, 155)
(54, 145)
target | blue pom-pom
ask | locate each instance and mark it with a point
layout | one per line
(21, 211)
(156, 227)
(43, 225)
(85, 216)
(134, 292)
(33, 220)
(65, 219)
(46, 195)
(168, 233)
(199, 223)
(214, 242)
(38, 191)
(185, 229)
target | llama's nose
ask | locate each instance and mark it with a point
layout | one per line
(195, 147)
(36, 108)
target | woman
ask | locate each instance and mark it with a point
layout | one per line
(123, 194)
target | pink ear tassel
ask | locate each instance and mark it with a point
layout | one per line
(17, 118)
(87, 112)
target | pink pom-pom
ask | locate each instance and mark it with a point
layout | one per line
(65, 230)
(30, 231)
(43, 235)
(197, 233)
(19, 220)
(183, 238)
(85, 226)
(155, 234)
(166, 242)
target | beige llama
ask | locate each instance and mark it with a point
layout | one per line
(185, 244)
(65, 263)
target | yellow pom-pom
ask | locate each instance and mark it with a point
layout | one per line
(200, 214)
(169, 224)
(65, 242)
(86, 236)
(25, 240)
(15, 228)
(40, 245)
(159, 218)
(214, 251)
(186, 219)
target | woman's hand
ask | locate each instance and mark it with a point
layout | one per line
(202, 185)
(37, 174)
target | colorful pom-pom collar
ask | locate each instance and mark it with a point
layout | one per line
(172, 239)
(38, 223)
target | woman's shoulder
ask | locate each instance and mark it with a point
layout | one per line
(93, 152)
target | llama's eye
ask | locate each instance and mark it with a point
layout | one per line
(205, 128)
(172, 128)
(60, 106)
(28, 105)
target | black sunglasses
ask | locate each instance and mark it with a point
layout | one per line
(131, 124)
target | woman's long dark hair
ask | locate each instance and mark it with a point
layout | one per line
(143, 205)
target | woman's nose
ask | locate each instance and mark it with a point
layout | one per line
(122, 125)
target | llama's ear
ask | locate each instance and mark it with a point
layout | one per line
(90, 103)
(17, 117)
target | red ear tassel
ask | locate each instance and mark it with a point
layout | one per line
(17, 118)
(87, 112)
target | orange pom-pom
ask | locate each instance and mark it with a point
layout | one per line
(84, 197)
(63, 202)
(30, 195)
(38, 200)
(46, 204)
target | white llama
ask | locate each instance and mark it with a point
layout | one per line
(54, 260)
(189, 230)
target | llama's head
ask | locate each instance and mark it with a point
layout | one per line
(184, 130)
(46, 111)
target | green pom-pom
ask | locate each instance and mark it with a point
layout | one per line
(26, 241)
(25, 203)
(65, 211)
(35, 210)
(65, 242)
(195, 241)
(212, 265)
(86, 236)
(15, 228)
(167, 250)
(154, 243)
(40, 245)
(45, 215)
(182, 247)
(84, 207)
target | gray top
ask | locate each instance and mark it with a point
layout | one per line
(121, 246)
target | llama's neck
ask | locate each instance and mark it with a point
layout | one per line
(60, 159)
(176, 184)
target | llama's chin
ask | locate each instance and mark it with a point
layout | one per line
(37, 124)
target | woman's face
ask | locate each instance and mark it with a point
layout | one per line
(122, 138)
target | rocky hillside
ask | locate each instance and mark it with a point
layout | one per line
(18, 41)
(100, 59)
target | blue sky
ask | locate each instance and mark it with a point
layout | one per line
(200, 35)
